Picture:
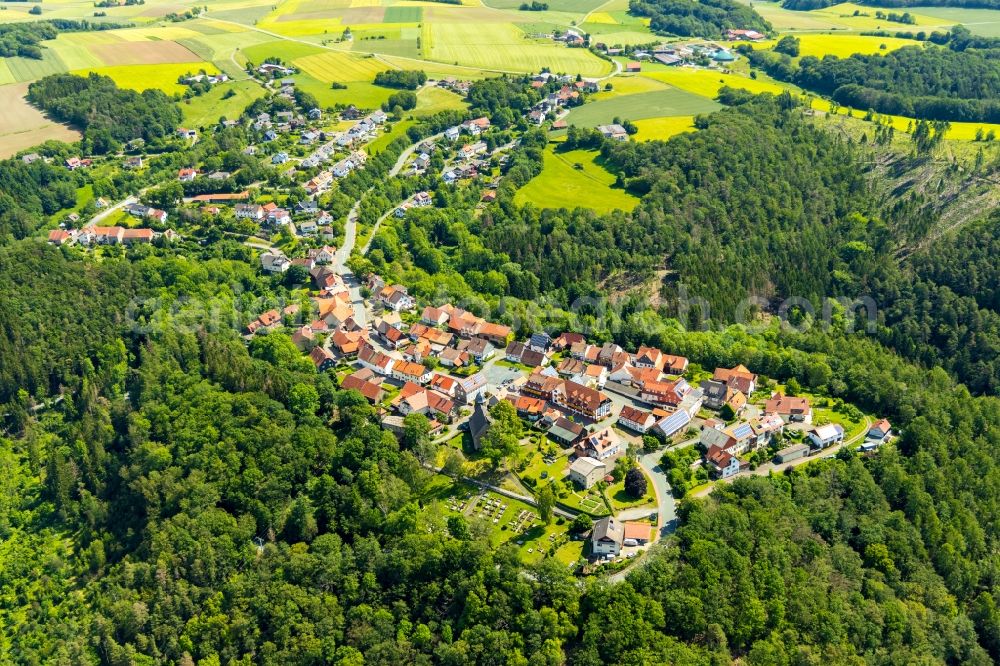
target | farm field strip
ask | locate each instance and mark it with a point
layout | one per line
(670, 102)
(504, 47)
(25, 126)
(161, 77)
(339, 66)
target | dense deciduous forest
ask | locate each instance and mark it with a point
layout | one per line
(784, 233)
(139, 501)
(107, 114)
(31, 191)
(687, 18)
(172, 494)
(930, 83)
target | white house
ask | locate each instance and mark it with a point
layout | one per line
(274, 262)
(606, 538)
(587, 471)
(827, 435)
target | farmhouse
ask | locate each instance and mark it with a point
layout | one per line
(405, 371)
(670, 425)
(374, 360)
(880, 431)
(738, 378)
(566, 432)
(582, 400)
(585, 472)
(322, 358)
(274, 262)
(614, 132)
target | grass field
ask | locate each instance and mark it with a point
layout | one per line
(141, 77)
(628, 84)
(29, 69)
(23, 125)
(206, 109)
(287, 51)
(503, 47)
(669, 102)
(431, 100)
(383, 140)
(984, 22)
(562, 185)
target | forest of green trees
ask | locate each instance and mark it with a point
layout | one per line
(689, 18)
(931, 83)
(190, 500)
(108, 115)
(173, 493)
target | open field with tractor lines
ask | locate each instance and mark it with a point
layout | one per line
(25, 126)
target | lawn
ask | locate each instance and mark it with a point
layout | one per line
(554, 463)
(141, 77)
(669, 102)
(589, 501)
(563, 185)
(627, 84)
(620, 500)
(383, 140)
(852, 427)
(206, 109)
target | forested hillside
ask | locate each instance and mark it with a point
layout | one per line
(932, 83)
(137, 504)
(108, 115)
(688, 18)
(758, 191)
